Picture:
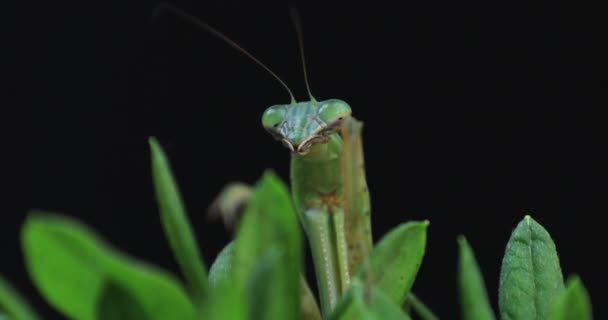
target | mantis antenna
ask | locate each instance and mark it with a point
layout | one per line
(204, 26)
(297, 23)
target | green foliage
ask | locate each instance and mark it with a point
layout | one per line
(474, 300)
(269, 297)
(176, 224)
(268, 245)
(395, 260)
(222, 266)
(221, 271)
(258, 274)
(118, 304)
(574, 303)
(531, 278)
(224, 302)
(365, 302)
(13, 305)
(71, 266)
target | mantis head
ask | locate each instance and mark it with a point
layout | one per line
(300, 125)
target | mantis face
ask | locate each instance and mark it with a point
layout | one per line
(299, 126)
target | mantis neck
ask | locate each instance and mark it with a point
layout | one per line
(317, 174)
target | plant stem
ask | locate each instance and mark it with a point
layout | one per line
(421, 309)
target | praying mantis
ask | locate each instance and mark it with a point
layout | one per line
(328, 184)
(327, 206)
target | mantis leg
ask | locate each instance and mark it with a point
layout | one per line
(341, 248)
(330, 192)
(328, 246)
(357, 223)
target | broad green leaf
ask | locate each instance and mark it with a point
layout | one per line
(367, 303)
(116, 303)
(262, 288)
(222, 266)
(395, 260)
(574, 303)
(530, 278)
(13, 305)
(224, 302)
(3, 317)
(270, 224)
(70, 266)
(474, 300)
(175, 222)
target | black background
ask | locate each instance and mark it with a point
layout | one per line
(476, 113)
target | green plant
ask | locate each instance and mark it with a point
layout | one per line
(258, 276)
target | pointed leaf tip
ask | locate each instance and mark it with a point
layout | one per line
(396, 259)
(269, 176)
(530, 278)
(176, 224)
(153, 144)
(269, 224)
(474, 301)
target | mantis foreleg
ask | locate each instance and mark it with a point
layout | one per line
(328, 246)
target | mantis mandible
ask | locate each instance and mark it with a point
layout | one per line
(327, 175)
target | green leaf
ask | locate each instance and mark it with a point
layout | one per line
(262, 289)
(222, 266)
(3, 317)
(473, 294)
(13, 305)
(363, 302)
(224, 302)
(220, 272)
(270, 224)
(116, 303)
(175, 222)
(574, 303)
(70, 266)
(395, 260)
(530, 278)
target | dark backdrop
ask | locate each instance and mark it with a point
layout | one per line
(476, 113)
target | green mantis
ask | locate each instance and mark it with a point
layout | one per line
(310, 131)
(327, 176)
(325, 202)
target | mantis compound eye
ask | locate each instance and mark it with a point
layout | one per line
(273, 117)
(332, 112)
